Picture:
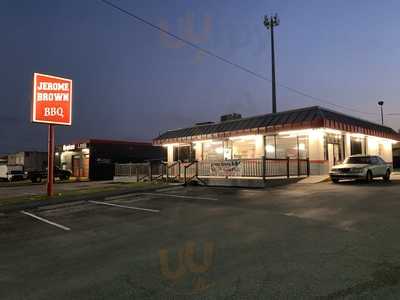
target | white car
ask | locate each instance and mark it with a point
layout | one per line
(365, 167)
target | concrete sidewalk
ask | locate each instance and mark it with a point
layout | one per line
(315, 179)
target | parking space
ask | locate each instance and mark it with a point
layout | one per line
(283, 242)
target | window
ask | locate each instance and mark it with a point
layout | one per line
(374, 160)
(357, 160)
(213, 151)
(292, 147)
(184, 153)
(270, 146)
(242, 149)
(380, 160)
(356, 145)
(303, 147)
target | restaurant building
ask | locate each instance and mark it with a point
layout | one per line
(94, 159)
(317, 136)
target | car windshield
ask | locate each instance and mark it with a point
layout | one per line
(358, 160)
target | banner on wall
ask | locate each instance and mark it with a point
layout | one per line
(226, 168)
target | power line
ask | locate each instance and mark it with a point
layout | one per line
(225, 60)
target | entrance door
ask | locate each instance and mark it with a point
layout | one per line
(333, 154)
(76, 164)
(85, 170)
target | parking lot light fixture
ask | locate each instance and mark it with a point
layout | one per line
(380, 103)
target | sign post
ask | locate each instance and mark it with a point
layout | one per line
(52, 105)
(50, 160)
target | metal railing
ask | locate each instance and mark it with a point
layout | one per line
(191, 171)
(265, 167)
(257, 168)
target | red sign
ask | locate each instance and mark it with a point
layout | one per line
(52, 100)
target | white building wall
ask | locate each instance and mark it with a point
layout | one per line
(387, 152)
(381, 148)
(318, 165)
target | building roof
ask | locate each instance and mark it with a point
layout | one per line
(103, 141)
(309, 117)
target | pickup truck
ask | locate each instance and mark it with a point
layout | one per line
(37, 176)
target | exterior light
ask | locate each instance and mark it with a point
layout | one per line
(170, 145)
(243, 138)
(204, 141)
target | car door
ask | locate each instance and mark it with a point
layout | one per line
(382, 166)
(377, 166)
(374, 166)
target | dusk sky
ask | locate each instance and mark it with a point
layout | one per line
(131, 82)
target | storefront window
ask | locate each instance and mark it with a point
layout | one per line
(213, 151)
(185, 153)
(286, 147)
(270, 145)
(303, 147)
(356, 145)
(244, 149)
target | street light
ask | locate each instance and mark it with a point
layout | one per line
(270, 23)
(380, 103)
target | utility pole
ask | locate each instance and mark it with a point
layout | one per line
(270, 23)
(380, 103)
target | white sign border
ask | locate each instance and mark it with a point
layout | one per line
(33, 110)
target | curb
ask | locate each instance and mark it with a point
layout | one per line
(98, 196)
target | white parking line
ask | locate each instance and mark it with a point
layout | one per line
(45, 221)
(123, 206)
(123, 196)
(180, 196)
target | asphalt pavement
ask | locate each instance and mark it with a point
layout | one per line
(300, 241)
(18, 189)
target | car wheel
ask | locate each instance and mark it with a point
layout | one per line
(369, 177)
(335, 180)
(387, 176)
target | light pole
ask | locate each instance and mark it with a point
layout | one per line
(380, 103)
(270, 23)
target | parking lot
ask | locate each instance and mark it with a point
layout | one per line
(298, 241)
(26, 188)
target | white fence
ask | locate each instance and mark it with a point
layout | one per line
(260, 168)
